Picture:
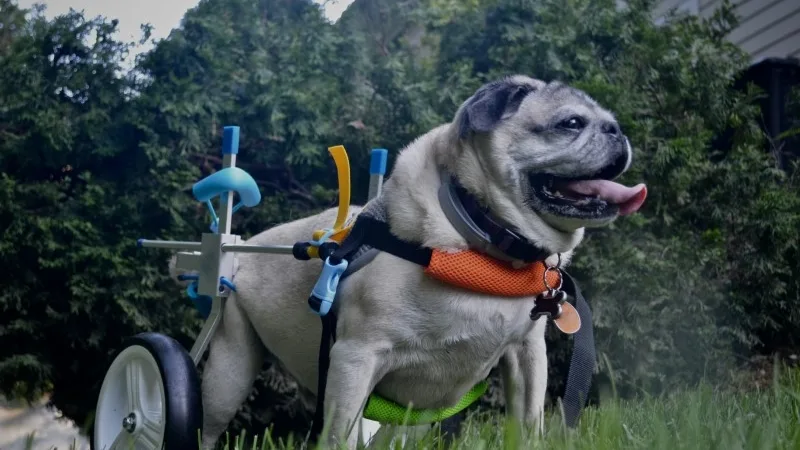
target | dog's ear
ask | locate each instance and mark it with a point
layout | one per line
(490, 104)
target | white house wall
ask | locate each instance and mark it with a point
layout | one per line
(767, 28)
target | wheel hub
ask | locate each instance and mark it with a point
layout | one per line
(129, 422)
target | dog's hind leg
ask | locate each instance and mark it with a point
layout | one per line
(235, 357)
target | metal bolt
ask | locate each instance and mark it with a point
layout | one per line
(129, 422)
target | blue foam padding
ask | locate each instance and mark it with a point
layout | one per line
(377, 161)
(226, 180)
(230, 140)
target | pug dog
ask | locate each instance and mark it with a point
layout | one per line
(540, 157)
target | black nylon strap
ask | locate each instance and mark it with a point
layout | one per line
(376, 234)
(327, 338)
(370, 232)
(507, 241)
(582, 364)
(349, 246)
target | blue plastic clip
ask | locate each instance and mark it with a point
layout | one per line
(324, 292)
(201, 302)
(227, 283)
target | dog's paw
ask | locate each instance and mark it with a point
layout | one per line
(534, 421)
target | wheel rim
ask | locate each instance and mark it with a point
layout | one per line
(131, 408)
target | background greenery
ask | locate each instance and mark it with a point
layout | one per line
(93, 157)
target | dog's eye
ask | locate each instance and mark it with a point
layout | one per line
(573, 123)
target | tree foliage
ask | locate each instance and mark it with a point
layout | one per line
(93, 158)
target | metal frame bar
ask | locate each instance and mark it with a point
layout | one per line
(226, 248)
(228, 243)
(246, 248)
(172, 245)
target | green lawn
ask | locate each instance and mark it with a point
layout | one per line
(701, 418)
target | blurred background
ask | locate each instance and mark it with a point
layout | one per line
(110, 111)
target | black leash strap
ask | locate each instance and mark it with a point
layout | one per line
(378, 235)
(582, 364)
(354, 240)
(324, 362)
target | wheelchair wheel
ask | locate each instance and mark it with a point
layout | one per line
(150, 398)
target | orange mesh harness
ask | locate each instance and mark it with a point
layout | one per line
(477, 272)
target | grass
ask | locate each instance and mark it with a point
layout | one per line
(31, 438)
(699, 418)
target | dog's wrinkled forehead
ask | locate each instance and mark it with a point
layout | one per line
(534, 100)
(558, 101)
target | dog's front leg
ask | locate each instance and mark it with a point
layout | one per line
(533, 365)
(524, 372)
(513, 383)
(351, 378)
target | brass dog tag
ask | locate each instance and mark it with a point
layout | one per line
(569, 321)
(555, 306)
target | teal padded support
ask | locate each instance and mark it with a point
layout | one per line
(228, 179)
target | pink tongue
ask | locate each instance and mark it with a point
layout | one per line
(629, 199)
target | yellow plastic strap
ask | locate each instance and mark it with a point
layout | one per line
(343, 170)
(342, 162)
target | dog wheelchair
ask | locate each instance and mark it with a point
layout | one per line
(150, 397)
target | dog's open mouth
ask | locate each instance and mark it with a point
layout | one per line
(585, 199)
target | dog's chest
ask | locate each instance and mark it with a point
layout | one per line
(451, 319)
(438, 338)
(439, 357)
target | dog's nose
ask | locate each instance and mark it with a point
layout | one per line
(610, 128)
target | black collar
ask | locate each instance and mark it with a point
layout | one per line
(505, 239)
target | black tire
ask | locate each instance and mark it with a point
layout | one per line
(183, 405)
